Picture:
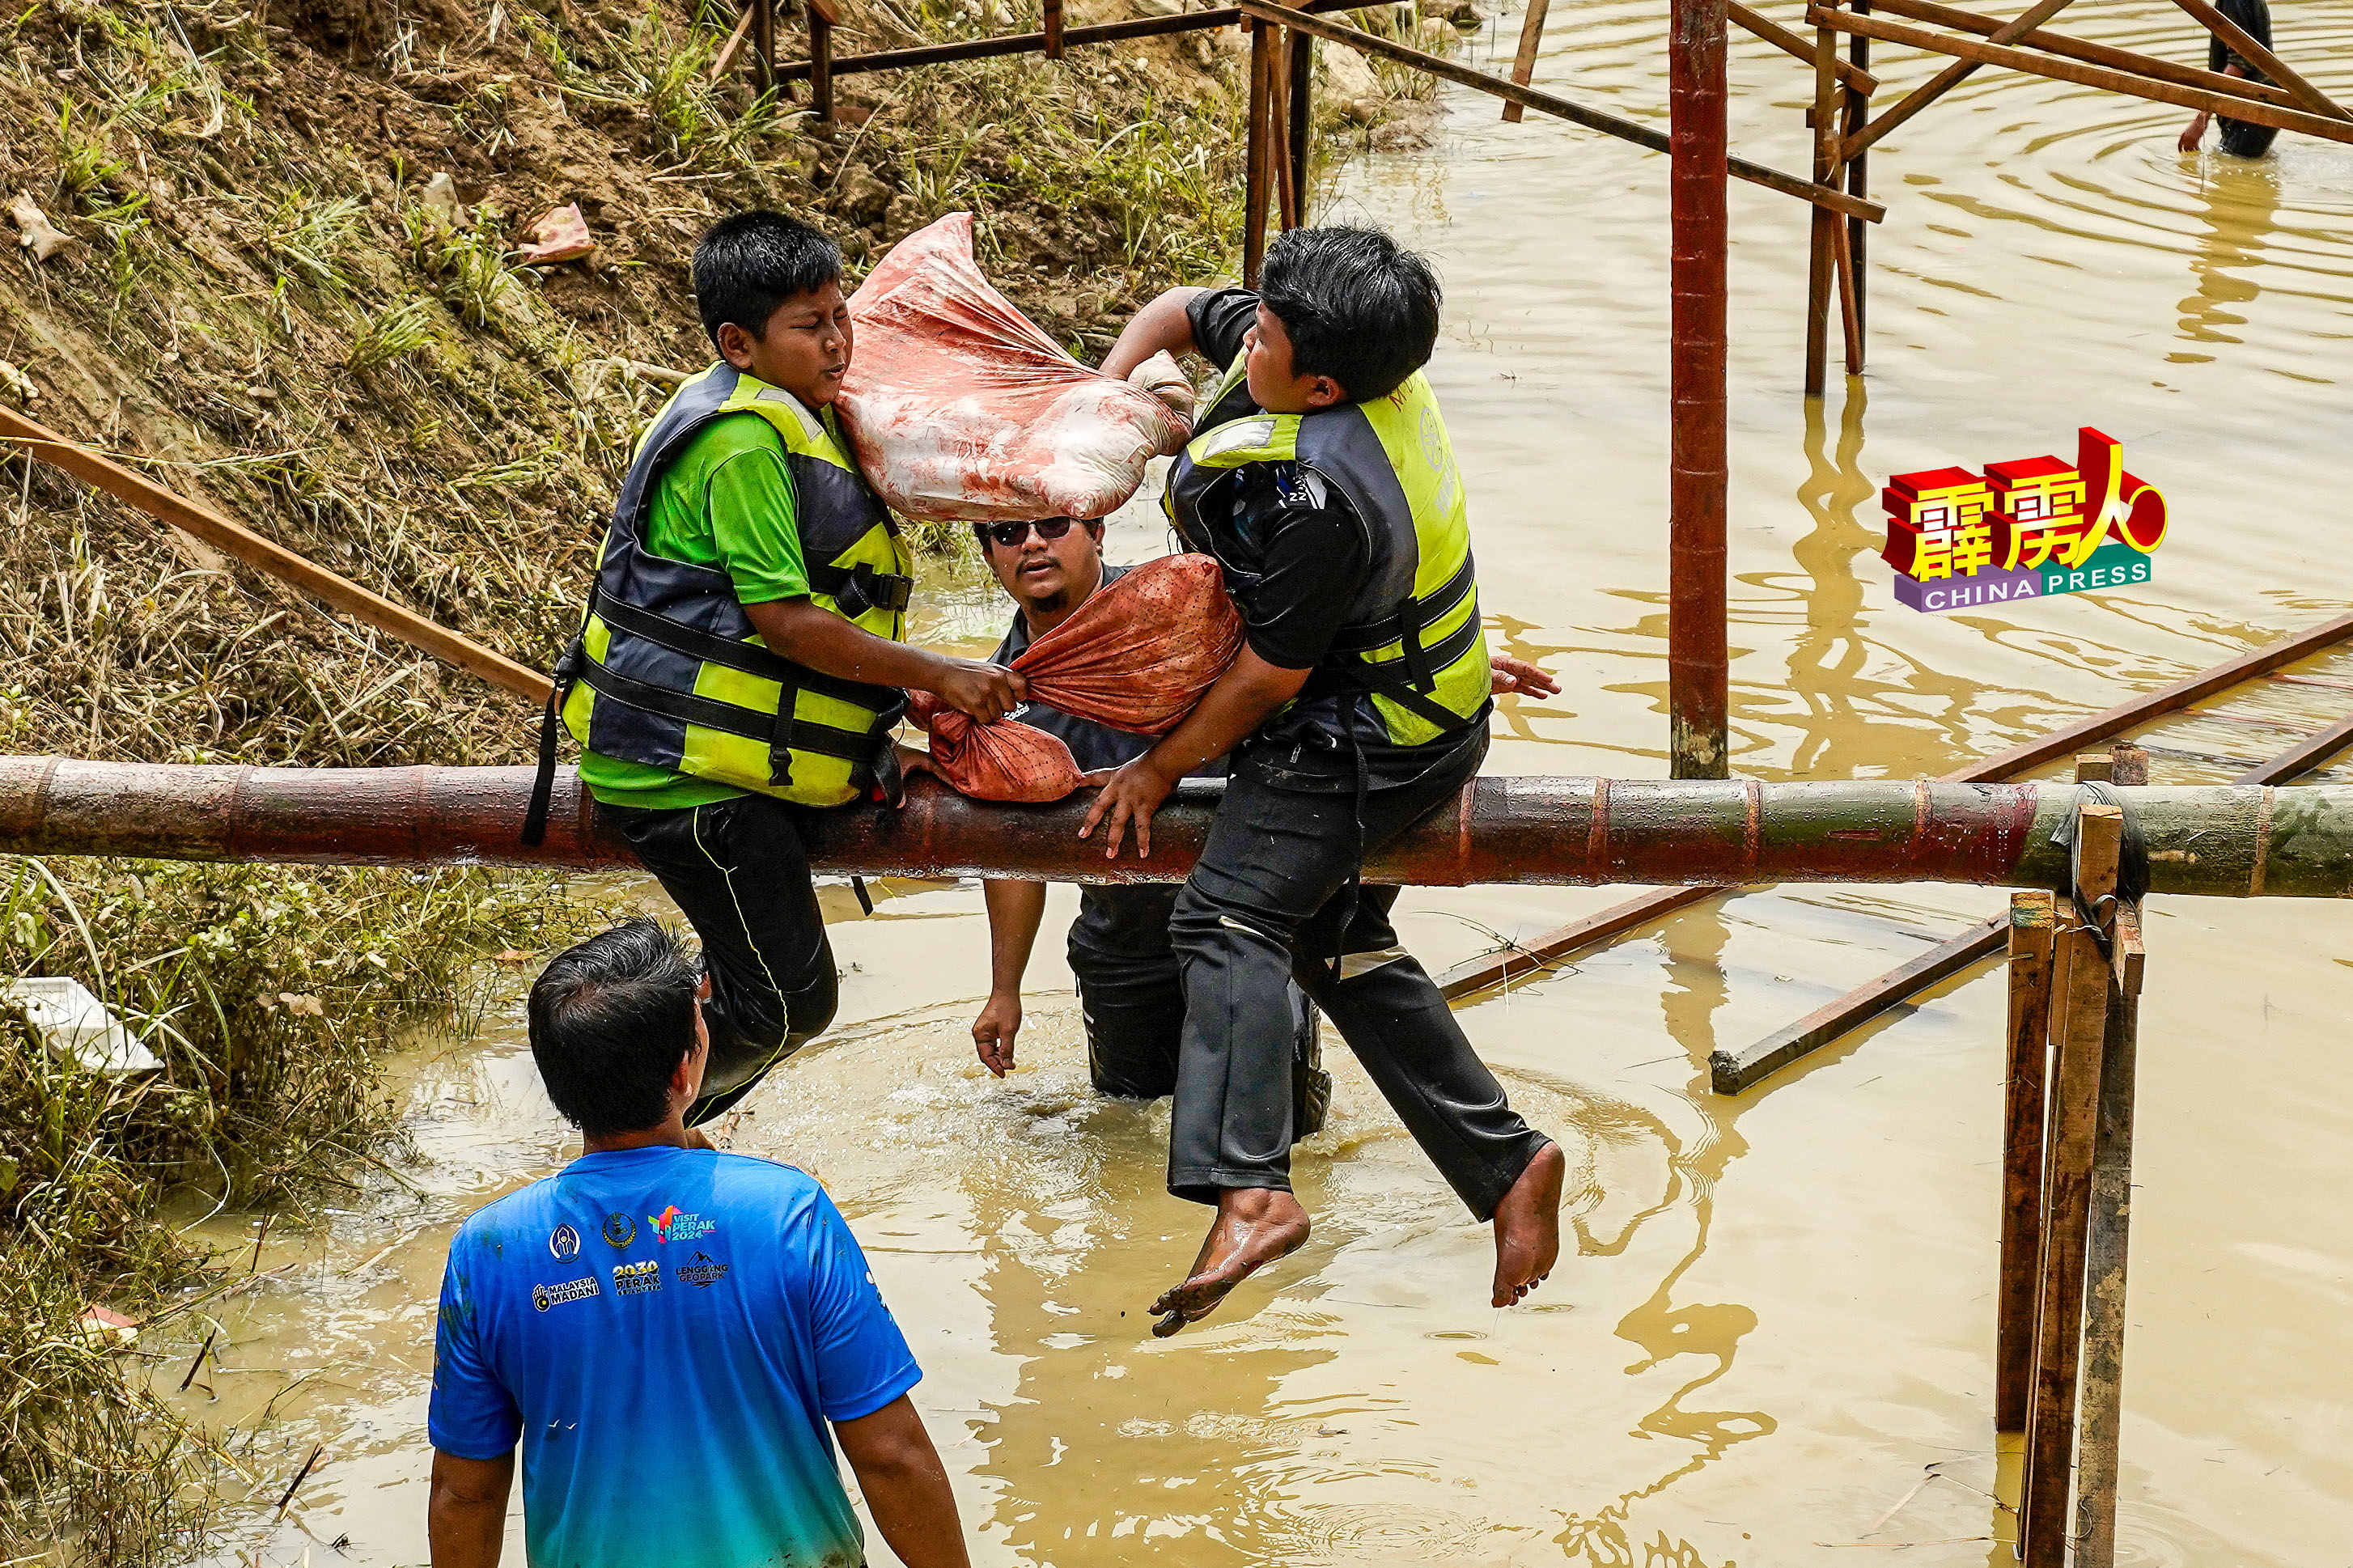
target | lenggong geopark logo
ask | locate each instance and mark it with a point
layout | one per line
(2027, 529)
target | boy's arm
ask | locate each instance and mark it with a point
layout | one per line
(1015, 908)
(1160, 327)
(1249, 690)
(906, 1485)
(829, 645)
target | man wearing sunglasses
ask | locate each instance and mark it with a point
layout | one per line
(1130, 993)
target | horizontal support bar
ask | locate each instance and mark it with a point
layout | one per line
(1549, 104)
(2057, 70)
(1035, 43)
(1795, 47)
(2090, 53)
(2219, 840)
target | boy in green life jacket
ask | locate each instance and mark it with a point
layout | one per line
(1321, 479)
(742, 662)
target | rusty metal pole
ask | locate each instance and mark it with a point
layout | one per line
(1696, 662)
(1302, 101)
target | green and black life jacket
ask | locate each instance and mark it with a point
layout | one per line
(1412, 640)
(667, 669)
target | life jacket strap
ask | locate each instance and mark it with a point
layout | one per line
(750, 658)
(782, 731)
(859, 588)
(1367, 636)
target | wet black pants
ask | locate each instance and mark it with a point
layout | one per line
(739, 871)
(1261, 908)
(1132, 997)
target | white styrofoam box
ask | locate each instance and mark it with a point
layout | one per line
(75, 1022)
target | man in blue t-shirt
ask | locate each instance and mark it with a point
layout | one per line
(670, 1331)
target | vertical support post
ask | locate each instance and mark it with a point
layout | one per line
(1053, 29)
(1696, 662)
(2111, 1230)
(1858, 177)
(1303, 122)
(822, 17)
(1254, 154)
(1523, 64)
(1820, 250)
(2080, 989)
(764, 42)
(1278, 128)
(2032, 933)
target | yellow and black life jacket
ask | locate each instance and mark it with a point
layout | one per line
(1412, 640)
(667, 669)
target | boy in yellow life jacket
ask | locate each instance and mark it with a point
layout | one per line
(742, 662)
(1321, 479)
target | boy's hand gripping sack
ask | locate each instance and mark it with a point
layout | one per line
(960, 410)
(1136, 656)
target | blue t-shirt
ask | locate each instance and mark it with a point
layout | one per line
(667, 1331)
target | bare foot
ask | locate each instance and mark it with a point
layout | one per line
(1254, 1226)
(1527, 1227)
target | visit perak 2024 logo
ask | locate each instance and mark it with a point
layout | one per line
(2027, 528)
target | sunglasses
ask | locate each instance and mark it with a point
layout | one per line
(1010, 534)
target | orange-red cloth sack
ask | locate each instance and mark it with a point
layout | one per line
(1136, 657)
(960, 410)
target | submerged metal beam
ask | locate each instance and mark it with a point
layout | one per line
(2221, 839)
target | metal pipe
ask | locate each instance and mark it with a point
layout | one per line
(1697, 663)
(2218, 839)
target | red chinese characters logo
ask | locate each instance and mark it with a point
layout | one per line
(2024, 528)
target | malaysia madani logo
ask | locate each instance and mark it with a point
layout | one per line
(2027, 528)
(542, 1297)
(672, 1226)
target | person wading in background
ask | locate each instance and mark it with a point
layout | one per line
(1323, 484)
(2240, 139)
(741, 661)
(669, 1331)
(1129, 994)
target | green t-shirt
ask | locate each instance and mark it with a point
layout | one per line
(726, 502)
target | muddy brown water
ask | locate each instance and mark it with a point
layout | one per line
(1770, 1342)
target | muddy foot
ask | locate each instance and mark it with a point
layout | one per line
(1527, 1227)
(1254, 1226)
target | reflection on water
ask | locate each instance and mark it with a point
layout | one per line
(1768, 1338)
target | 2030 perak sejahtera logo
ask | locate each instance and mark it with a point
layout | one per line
(2027, 529)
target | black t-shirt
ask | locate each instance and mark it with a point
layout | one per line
(2242, 138)
(1302, 558)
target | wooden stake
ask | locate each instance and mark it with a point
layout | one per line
(1858, 180)
(266, 556)
(1254, 154)
(2111, 1229)
(2031, 927)
(726, 56)
(763, 17)
(1302, 100)
(1278, 125)
(1820, 261)
(1523, 64)
(1053, 29)
(2080, 989)
(824, 15)
(1850, 296)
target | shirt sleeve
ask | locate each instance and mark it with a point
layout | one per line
(472, 1416)
(1315, 563)
(862, 1360)
(1221, 317)
(754, 527)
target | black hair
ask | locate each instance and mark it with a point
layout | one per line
(1357, 308)
(610, 1020)
(748, 264)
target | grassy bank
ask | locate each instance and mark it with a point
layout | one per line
(285, 282)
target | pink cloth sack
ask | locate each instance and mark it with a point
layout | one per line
(960, 410)
(1136, 656)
